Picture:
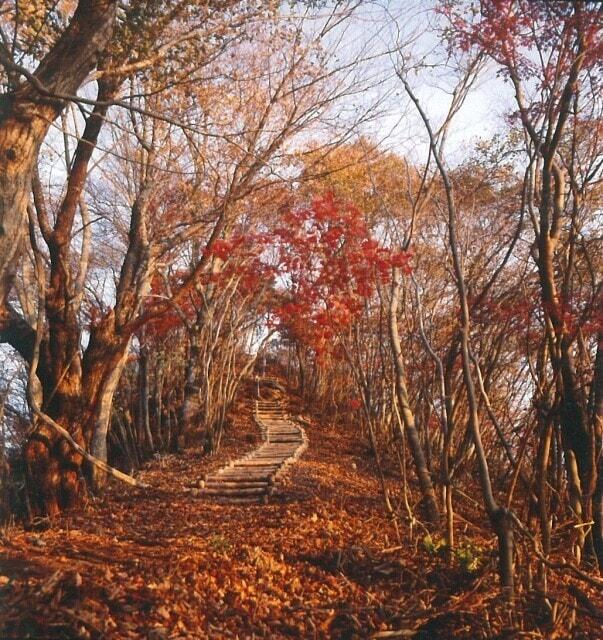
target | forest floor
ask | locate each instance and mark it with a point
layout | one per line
(319, 561)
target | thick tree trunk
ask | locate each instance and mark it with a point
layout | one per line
(102, 420)
(27, 113)
(189, 418)
(53, 466)
(25, 116)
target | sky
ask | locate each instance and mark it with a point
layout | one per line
(375, 35)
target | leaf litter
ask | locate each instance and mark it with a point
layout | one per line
(321, 560)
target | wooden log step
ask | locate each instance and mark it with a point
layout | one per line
(242, 484)
(274, 446)
(257, 465)
(237, 491)
(260, 464)
(286, 428)
(281, 452)
(277, 455)
(271, 454)
(244, 472)
(239, 499)
(277, 446)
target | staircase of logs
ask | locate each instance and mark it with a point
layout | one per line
(252, 479)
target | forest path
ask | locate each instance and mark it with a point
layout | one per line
(320, 561)
(252, 478)
(169, 563)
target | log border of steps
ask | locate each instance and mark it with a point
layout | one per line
(260, 470)
(297, 453)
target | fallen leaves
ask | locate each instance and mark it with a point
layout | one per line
(316, 562)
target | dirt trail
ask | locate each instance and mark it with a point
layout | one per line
(169, 563)
(320, 560)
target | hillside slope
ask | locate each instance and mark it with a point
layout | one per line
(319, 561)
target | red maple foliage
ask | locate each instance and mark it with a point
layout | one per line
(331, 264)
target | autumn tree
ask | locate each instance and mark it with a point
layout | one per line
(186, 178)
(66, 46)
(550, 55)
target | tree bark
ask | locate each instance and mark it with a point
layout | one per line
(102, 420)
(408, 418)
(597, 420)
(143, 399)
(190, 404)
(27, 113)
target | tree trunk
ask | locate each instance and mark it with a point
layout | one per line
(143, 399)
(597, 420)
(190, 404)
(302, 370)
(27, 113)
(427, 490)
(158, 407)
(102, 421)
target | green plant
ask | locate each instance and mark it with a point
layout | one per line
(469, 557)
(435, 546)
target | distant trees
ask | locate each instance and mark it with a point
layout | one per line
(189, 126)
(497, 328)
(551, 54)
(177, 193)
